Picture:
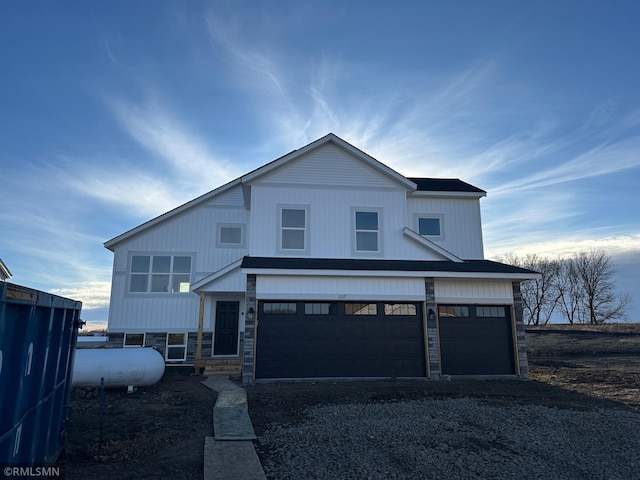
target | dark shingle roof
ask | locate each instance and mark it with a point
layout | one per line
(444, 185)
(467, 266)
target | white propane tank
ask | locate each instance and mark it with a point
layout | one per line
(120, 367)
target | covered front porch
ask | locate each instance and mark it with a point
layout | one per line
(221, 317)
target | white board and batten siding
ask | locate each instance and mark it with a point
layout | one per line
(476, 292)
(158, 313)
(461, 223)
(192, 232)
(300, 287)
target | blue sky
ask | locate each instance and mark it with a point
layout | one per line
(112, 113)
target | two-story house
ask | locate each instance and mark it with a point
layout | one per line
(322, 263)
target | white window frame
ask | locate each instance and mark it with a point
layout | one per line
(221, 244)
(124, 340)
(175, 346)
(304, 229)
(354, 238)
(149, 273)
(436, 216)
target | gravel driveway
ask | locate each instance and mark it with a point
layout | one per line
(454, 439)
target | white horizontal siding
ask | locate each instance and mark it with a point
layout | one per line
(234, 281)
(329, 165)
(232, 197)
(462, 224)
(470, 291)
(339, 288)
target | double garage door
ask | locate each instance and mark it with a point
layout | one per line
(339, 339)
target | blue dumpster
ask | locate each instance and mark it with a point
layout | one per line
(38, 334)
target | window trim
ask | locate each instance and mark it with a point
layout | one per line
(355, 231)
(184, 345)
(305, 230)
(438, 216)
(220, 226)
(149, 273)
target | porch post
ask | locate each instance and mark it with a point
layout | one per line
(198, 361)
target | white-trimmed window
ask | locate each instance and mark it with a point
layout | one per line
(367, 230)
(133, 340)
(160, 274)
(230, 235)
(294, 223)
(430, 226)
(176, 350)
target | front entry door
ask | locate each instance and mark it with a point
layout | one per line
(226, 334)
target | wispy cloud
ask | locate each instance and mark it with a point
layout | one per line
(92, 294)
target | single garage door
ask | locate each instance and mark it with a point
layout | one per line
(339, 339)
(476, 339)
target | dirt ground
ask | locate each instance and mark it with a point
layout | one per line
(158, 432)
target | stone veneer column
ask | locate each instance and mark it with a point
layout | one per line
(249, 331)
(433, 345)
(523, 372)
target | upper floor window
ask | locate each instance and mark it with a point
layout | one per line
(230, 235)
(429, 225)
(293, 228)
(160, 274)
(367, 231)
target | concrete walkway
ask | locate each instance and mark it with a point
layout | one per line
(230, 453)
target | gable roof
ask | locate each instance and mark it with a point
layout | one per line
(413, 185)
(340, 143)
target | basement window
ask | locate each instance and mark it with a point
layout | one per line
(134, 339)
(176, 350)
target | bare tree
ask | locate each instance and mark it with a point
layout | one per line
(570, 291)
(540, 297)
(595, 271)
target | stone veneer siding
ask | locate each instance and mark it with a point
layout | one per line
(433, 342)
(248, 341)
(158, 340)
(523, 361)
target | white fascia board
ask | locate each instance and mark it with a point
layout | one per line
(110, 244)
(4, 270)
(204, 281)
(394, 273)
(424, 193)
(331, 138)
(429, 245)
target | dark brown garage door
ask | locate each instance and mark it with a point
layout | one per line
(339, 339)
(476, 339)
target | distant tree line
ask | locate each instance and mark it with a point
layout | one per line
(581, 288)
